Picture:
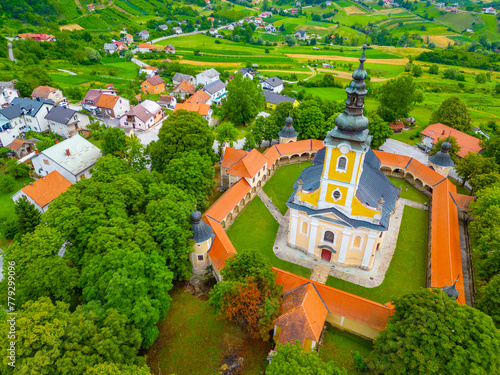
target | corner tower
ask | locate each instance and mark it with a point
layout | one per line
(203, 236)
(288, 133)
(342, 204)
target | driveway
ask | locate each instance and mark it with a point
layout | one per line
(11, 54)
(147, 137)
(396, 147)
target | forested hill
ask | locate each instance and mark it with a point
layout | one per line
(33, 11)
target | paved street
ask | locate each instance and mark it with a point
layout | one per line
(396, 147)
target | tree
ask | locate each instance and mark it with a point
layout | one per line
(453, 112)
(114, 141)
(434, 69)
(481, 78)
(226, 132)
(492, 148)
(129, 55)
(290, 40)
(28, 217)
(291, 359)
(380, 130)
(135, 153)
(193, 173)
(107, 368)
(244, 99)
(309, 121)
(430, 333)
(455, 147)
(183, 131)
(418, 96)
(497, 88)
(32, 78)
(271, 128)
(474, 164)
(396, 98)
(92, 55)
(489, 299)
(52, 340)
(417, 70)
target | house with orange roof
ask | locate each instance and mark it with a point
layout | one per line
(112, 106)
(47, 92)
(434, 132)
(153, 85)
(202, 109)
(149, 71)
(200, 97)
(43, 191)
(91, 7)
(128, 39)
(230, 157)
(22, 147)
(143, 48)
(238, 164)
(183, 90)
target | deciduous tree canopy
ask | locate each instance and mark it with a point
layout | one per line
(453, 112)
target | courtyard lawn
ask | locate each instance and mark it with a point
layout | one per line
(407, 269)
(412, 194)
(280, 186)
(194, 341)
(256, 229)
(338, 346)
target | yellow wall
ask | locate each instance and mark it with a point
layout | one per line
(333, 174)
(329, 194)
(352, 326)
(359, 209)
(311, 198)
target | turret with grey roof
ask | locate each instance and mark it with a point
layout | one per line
(443, 157)
(288, 133)
(201, 230)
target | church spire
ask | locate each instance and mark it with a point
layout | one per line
(352, 120)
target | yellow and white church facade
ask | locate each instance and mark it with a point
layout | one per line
(341, 205)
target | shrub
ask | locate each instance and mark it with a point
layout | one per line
(7, 183)
(359, 361)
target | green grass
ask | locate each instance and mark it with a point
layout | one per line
(280, 186)
(338, 346)
(460, 189)
(6, 203)
(194, 340)
(460, 21)
(256, 229)
(407, 269)
(68, 8)
(410, 194)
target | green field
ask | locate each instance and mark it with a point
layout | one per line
(256, 229)
(408, 191)
(460, 21)
(407, 269)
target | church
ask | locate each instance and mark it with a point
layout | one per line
(341, 205)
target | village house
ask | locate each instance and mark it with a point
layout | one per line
(149, 71)
(143, 48)
(112, 106)
(66, 122)
(91, 7)
(128, 39)
(247, 72)
(177, 30)
(43, 191)
(272, 100)
(183, 90)
(120, 46)
(143, 116)
(8, 92)
(37, 37)
(167, 101)
(206, 77)
(110, 48)
(213, 31)
(153, 85)
(273, 84)
(328, 3)
(163, 27)
(301, 34)
(489, 10)
(23, 147)
(169, 48)
(179, 77)
(202, 109)
(237, 164)
(21, 116)
(92, 96)
(265, 14)
(216, 90)
(73, 158)
(258, 21)
(200, 97)
(47, 92)
(434, 132)
(143, 35)
(270, 28)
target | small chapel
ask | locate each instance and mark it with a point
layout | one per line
(341, 205)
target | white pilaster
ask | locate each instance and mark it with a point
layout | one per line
(312, 236)
(369, 250)
(293, 226)
(327, 162)
(346, 236)
(357, 160)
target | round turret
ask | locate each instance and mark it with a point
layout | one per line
(195, 216)
(288, 132)
(445, 146)
(289, 120)
(201, 230)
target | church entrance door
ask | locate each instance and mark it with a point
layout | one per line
(326, 254)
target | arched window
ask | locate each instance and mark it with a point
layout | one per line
(357, 242)
(342, 163)
(304, 227)
(329, 237)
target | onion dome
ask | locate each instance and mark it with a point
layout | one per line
(201, 230)
(451, 290)
(288, 131)
(443, 158)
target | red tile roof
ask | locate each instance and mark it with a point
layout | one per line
(17, 143)
(466, 141)
(249, 165)
(202, 109)
(462, 201)
(232, 156)
(46, 189)
(200, 97)
(42, 91)
(225, 204)
(304, 314)
(155, 80)
(399, 125)
(222, 248)
(107, 101)
(338, 302)
(186, 87)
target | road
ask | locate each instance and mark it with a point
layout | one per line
(186, 34)
(67, 71)
(305, 79)
(11, 54)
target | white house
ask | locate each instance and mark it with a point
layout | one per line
(143, 116)
(92, 97)
(150, 71)
(247, 72)
(144, 34)
(216, 90)
(47, 92)
(179, 77)
(213, 31)
(112, 105)
(177, 30)
(489, 10)
(73, 158)
(270, 28)
(301, 34)
(110, 48)
(167, 101)
(66, 122)
(206, 77)
(273, 84)
(43, 191)
(7, 93)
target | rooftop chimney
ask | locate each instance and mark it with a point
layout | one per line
(67, 152)
(443, 132)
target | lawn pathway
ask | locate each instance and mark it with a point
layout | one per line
(271, 207)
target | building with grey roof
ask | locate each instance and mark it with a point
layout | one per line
(143, 116)
(441, 161)
(276, 99)
(206, 77)
(179, 77)
(73, 158)
(110, 48)
(203, 236)
(66, 122)
(8, 92)
(288, 133)
(273, 84)
(216, 90)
